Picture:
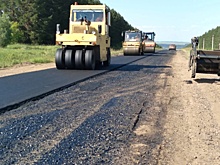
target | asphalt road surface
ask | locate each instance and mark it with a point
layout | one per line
(16, 89)
(114, 118)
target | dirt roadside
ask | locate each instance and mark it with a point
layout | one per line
(19, 69)
(191, 133)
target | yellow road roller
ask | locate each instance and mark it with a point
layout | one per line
(87, 43)
(149, 43)
(132, 42)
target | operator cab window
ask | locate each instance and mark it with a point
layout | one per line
(132, 37)
(89, 15)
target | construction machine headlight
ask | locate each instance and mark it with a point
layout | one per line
(93, 32)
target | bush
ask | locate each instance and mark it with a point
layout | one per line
(17, 36)
(5, 30)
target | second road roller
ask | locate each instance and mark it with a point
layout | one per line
(132, 42)
(149, 43)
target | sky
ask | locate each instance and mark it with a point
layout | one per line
(171, 20)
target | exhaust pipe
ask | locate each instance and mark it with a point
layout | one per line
(58, 29)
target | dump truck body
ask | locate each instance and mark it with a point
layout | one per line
(87, 43)
(132, 42)
(208, 62)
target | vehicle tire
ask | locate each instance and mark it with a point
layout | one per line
(139, 52)
(90, 62)
(154, 50)
(98, 65)
(190, 61)
(193, 69)
(79, 63)
(59, 59)
(69, 59)
(108, 61)
(142, 53)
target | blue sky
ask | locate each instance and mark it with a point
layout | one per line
(171, 20)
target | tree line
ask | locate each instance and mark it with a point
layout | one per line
(34, 22)
(207, 36)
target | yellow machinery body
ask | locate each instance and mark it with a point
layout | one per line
(86, 44)
(149, 43)
(132, 44)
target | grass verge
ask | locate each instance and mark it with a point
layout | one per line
(26, 54)
(19, 54)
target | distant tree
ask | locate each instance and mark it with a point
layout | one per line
(5, 31)
(17, 36)
(207, 36)
(24, 13)
(118, 26)
(37, 20)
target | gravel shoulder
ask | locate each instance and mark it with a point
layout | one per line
(191, 133)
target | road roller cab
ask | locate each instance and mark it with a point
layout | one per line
(149, 43)
(132, 42)
(87, 43)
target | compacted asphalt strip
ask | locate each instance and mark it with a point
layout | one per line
(18, 89)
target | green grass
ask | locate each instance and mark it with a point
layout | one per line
(186, 50)
(116, 52)
(24, 54)
(30, 54)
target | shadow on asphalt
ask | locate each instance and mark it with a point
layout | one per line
(206, 80)
(132, 67)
